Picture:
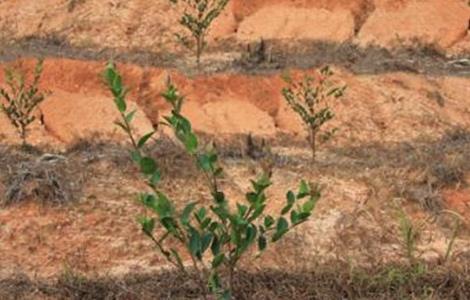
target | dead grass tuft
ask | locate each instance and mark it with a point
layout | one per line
(333, 281)
(46, 179)
(33, 175)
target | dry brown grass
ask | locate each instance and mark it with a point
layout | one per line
(31, 174)
(415, 58)
(417, 171)
(334, 281)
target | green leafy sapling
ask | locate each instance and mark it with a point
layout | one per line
(212, 237)
(197, 17)
(311, 98)
(22, 99)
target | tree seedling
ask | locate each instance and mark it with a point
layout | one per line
(197, 17)
(311, 98)
(215, 236)
(21, 100)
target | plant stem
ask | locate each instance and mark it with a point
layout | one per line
(231, 271)
(23, 135)
(312, 142)
(199, 46)
(452, 240)
(129, 132)
(200, 280)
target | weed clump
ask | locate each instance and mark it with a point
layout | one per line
(47, 179)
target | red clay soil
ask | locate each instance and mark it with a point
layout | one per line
(151, 25)
(379, 111)
(459, 201)
(389, 107)
(100, 234)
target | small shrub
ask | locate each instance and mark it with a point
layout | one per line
(216, 236)
(197, 18)
(310, 99)
(22, 99)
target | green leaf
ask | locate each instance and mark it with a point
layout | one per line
(170, 224)
(286, 209)
(241, 209)
(205, 162)
(268, 221)
(281, 228)
(218, 260)
(148, 166)
(219, 197)
(190, 142)
(262, 183)
(170, 93)
(187, 212)
(294, 217)
(206, 241)
(117, 85)
(155, 178)
(135, 156)
(109, 73)
(177, 256)
(148, 224)
(195, 243)
(250, 234)
(304, 190)
(262, 243)
(201, 214)
(130, 116)
(215, 246)
(144, 139)
(149, 201)
(290, 197)
(183, 126)
(258, 211)
(290, 202)
(205, 223)
(297, 218)
(309, 205)
(251, 197)
(164, 206)
(213, 226)
(238, 220)
(303, 216)
(120, 104)
(221, 212)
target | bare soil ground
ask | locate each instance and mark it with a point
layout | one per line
(68, 209)
(89, 248)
